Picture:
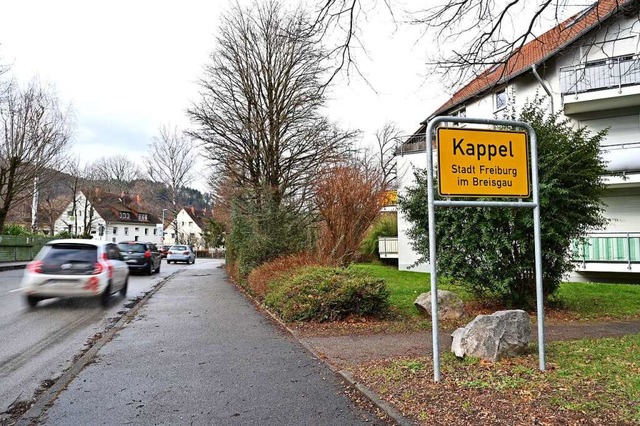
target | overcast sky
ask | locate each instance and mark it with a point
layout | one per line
(128, 67)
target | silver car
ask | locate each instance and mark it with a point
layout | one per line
(75, 268)
(181, 253)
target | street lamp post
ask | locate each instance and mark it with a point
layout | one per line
(162, 234)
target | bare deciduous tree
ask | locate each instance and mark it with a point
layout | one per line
(382, 155)
(259, 113)
(472, 35)
(118, 171)
(35, 135)
(171, 161)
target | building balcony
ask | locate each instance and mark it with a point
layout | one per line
(601, 85)
(608, 252)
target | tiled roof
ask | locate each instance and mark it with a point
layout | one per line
(109, 206)
(198, 216)
(536, 51)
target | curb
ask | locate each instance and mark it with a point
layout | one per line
(49, 396)
(384, 406)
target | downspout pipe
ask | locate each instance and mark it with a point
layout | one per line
(544, 86)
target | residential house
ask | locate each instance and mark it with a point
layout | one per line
(109, 217)
(589, 69)
(188, 227)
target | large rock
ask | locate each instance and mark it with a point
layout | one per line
(491, 337)
(450, 306)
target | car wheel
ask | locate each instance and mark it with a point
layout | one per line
(104, 297)
(157, 271)
(125, 287)
(32, 301)
(149, 269)
(193, 261)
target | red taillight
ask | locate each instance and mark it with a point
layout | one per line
(186, 253)
(147, 253)
(104, 256)
(169, 252)
(92, 284)
(35, 266)
(98, 268)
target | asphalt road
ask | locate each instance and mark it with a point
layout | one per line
(39, 344)
(198, 352)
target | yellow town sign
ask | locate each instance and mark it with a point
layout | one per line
(484, 163)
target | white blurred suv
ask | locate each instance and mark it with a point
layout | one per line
(75, 268)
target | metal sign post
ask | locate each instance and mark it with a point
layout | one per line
(482, 155)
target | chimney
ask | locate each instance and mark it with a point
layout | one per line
(138, 199)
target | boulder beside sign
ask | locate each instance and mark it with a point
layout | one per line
(492, 337)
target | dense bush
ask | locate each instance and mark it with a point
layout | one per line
(15, 229)
(348, 200)
(264, 231)
(491, 250)
(327, 294)
(260, 277)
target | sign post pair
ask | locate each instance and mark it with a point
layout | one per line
(483, 163)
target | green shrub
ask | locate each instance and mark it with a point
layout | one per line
(15, 229)
(327, 294)
(386, 226)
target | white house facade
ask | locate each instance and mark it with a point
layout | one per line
(187, 228)
(589, 70)
(109, 217)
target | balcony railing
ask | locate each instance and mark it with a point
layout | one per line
(597, 75)
(612, 247)
(388, 247)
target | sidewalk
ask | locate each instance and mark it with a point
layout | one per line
(6, 266)
(198, 352)
(347, 351)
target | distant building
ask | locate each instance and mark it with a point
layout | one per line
(188, 228)
(109, 217)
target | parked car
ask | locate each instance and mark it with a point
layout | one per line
(75, 268)
(181, 253)
(164, 250)
(141, 257)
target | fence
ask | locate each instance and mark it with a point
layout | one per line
(16, 248)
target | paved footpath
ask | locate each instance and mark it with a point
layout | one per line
(199, 353)
(352, 350)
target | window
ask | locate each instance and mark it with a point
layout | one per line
(182, 223)
(115, 230)
(125, 215)
(190, 223)
(146, 231)
(126, 231)
(142, 216)
(155, 231)
(137, 229)
(500, 99)
(70, 213)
